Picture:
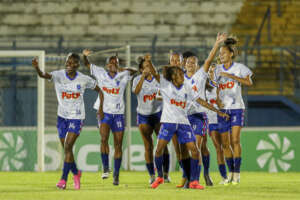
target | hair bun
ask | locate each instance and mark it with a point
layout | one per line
(230, 41)
(139, 59)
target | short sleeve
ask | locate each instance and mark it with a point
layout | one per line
(163, 82)
(245, 71)
(90, 83)
(135, 82)
(124, 74)
(95, 70)
(217, 72)
(54, 76)
(201, 74)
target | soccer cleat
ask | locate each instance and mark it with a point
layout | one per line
(208, 180)
(167, 179)
(186, 185)
(116, 180)
(236, 179)
(152, 179)
(62, 184)
(196, 185)
(224, 181)
(77, 180)
(183, 182)
(105, 174)
(157, 182)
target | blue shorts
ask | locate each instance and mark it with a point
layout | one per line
(68, 125)
(236, 119)
(152, 120)
(198, 123)
(184, 132)
(116, 122)
(213, 127)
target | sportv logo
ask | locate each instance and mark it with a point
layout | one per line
(277, 153)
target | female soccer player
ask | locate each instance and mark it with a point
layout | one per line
(196, 114)
(230, 76)
(148, 113)
(70, 86)
(113, 84)
(175, 95)
(211, 97)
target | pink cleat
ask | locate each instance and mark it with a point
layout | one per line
(77, 180)
(62, 184)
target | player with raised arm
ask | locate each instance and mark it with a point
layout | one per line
(175, 95)
(146, 88)
(213, 127)
(70, 86)
(196, 78)
(113, 83)
(230, 76)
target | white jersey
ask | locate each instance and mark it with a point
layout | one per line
(70, 92)
(175, 102)
(197, 83)
(211, 97)
(230, 90)
(147, 103)
(113, 89)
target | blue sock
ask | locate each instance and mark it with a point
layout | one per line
(199, 172)
(117, 165)
(105, 163)
(237, 164)
(66, 170)
(222, 170)
(159, 165)
(74, 168)
(205, 160)
(194, 169)
(150, 168)
(230, 164)
(166, 163)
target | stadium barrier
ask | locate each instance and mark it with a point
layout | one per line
(264, 149)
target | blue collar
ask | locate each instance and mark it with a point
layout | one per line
(178, 88)
(70, 77)
(229, 67)
(150, 80)
(187, 76)
(111, 76)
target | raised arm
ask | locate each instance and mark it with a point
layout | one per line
(245, 81)
(220, 38)
(86, 53)
(131, 70)
(41, 74)
(151, 68)
(212, 108)
(139, 86)
(100, 112)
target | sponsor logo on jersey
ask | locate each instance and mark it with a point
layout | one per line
(111, 91)
(212, 101)
(149, 97)
(70, 95)
(195, 88)
(228, 85)
(181, 104)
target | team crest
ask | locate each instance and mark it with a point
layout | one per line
(118, 82)
(193, 81)
(78, 87)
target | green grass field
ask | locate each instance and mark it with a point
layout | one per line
(134, 185)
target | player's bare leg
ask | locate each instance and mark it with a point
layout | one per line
(69, 163)
(216, 138)
(161, 145)
(166, 155)
(195, 154)
(237, 152)
(104, 149)
(146, 132)
(118, 141)
(225, 139)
